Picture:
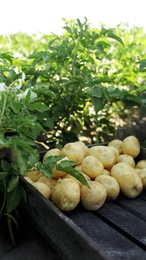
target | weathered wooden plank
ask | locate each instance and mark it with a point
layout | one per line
(115, 243)
(125, 222)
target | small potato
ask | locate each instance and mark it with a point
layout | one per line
(74, 152)
(116, 151)
(78, 168)
(28, 179)
(141, 164)
(43, 189)
(49, 182)
(66, 194)
(33, 175)
(117, 143)
(142, 175)
(129, 181)
(111, 185)
(131, 146)
(94, 197)
(52, 152)
(127, 159)
(92, 166)
(103, 154)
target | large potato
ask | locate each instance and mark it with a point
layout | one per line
(129, 181)
(94, 197)
(103, 154)
(127, 159)
(111, 185)
(117, 143)
(66, 194)
(131, 146)
(43, 189)
(92, 166)
(141, 164)
(74, 152)
(83, 145)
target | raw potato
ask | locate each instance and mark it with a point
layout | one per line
(141, 164)
(43, 189)
(94, 197)
(131, 146)
(111, 185)
(103, 154)
(52, 152)
(71, 177)
(92, 166)
(33, 175)
(74, 152)
(117, 143)
(127, 159)
(142, 175)
(115, 150)
(84, 147)
(66, 194)
(129, 181)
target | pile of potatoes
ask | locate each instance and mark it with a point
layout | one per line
(108, 170)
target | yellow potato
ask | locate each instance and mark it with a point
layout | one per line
(92, 166)
(129, 181)
(103, 154)
(43, 189)
(52, 152)
(117, 143)
(66, 194)
(111, 185)
(141, 164)
(115, 150)
(142, 175)
(74, 152)
(131, 146)
(33, 175)
(94, 197)
(127, 159)
(82, 144)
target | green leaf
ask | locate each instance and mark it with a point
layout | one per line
(38, 106)
(13, 199)
(70, 170)
(13, 183)
(15, 106)
(5, 165)
(3, 175)
(110, 34)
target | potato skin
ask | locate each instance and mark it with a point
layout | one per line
(129, 181)
(92, 166)
(111, 185)
(43, 189)
(66, 195)
(131, 146)
(117, 143)
(33, 175)
(141, 164)
(142, 175)
(74, 152)
(52, 152)
(94, 197)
